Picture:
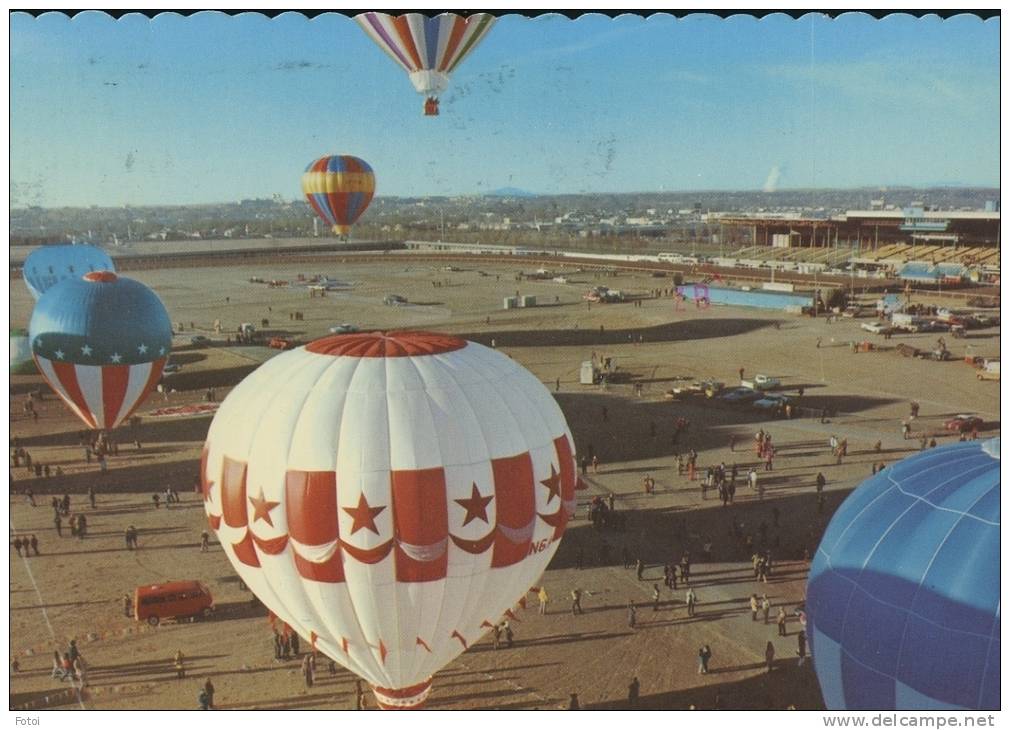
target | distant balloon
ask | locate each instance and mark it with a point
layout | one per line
(903, 597)
(339, 189)
(21, 353)
(49, 265)
(428, 49)
(390, 496)
(101, 341)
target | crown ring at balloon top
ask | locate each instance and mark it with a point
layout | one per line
(386, 344)
(101, 276)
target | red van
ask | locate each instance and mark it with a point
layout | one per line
(179, 599)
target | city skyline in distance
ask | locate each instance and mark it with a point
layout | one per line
(210, 108)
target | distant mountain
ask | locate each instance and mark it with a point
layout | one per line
(510, 193)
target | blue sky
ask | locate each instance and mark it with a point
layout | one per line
(213, 108)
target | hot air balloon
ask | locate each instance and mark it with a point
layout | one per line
(390, 496)
(101, 341)
(21, 353)
(339, 189)
(428, 49)
(903, 597)
(49, 265)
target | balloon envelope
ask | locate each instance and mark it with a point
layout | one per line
(903, 594)
(101, 341)
(49, 265)
(428, 49)
(390, 496)
(339, 189)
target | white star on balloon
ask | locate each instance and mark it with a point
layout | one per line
(86, 350)
(142, 349)
(59, 354)
(161, 350)
(116, 357)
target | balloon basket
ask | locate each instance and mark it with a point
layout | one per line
(404, 698)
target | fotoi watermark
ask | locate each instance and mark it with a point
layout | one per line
(896, 720)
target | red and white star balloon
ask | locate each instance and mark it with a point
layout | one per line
(390, 496)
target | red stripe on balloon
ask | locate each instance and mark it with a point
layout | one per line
(69, 389)
(420, 517)
(407, 40)
(233, 493)
(310, 498)
(515, 506)
(245, 551)
(152, 379)
(115, 379)
(458, 29)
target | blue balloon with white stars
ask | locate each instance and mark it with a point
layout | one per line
(100, 319)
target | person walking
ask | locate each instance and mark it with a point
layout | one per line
(655, 596)
(769, 655)
(34, 542)
(704, 656)
(801, 647)
(753, 607)
(633, 690)
(91, 496)
(781, 621)
(204, 541)
(208, 688)
(180, 667)
(766, 606)
(127, 605)
(577, 602)
(691, 599)
(544, 600)
(821, 480)
(58, 523)
(17, 545)
(639, 568)
(632, 614)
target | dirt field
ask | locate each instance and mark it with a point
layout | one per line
(74, 589)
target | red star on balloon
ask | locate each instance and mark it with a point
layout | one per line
(553, 484)
(363, 515)
(262, 508)
(475, 506)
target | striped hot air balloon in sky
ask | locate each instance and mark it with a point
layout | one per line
(339, 189)
(101, 341)
(428, 49)
(390, 496)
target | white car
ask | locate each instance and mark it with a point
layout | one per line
(343, 329)
(876, 328)
(771, 402)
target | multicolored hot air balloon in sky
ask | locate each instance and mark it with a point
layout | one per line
(49, 265)
(339, 189)
(390, 496)
(428, 49)
(101, 341)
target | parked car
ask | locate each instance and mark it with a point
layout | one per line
(199, 340)
(963, 423)
(178, 599)
(760, 382)
(394, 300)
(877, 328)
(342, 329)
(171, 367)
(741, 395)
(771, 401)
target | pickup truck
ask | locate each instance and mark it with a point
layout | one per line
(280, 343)
(761, 382)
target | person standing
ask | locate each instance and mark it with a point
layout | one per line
(58, 523)
(496, 637)
(781, 621)
(655, 596)
(17, 545)
(180, 667)
(307, 670)
(769, 655)
(692, 601)
(821, 481)
(127, 605)
(801, 647)
(544, 599)
(91, 496)
(766, 606)
(208, 688)
(753, 607)
(204, 541)
(633, 690)
(34, 541)
(632, 614)
(359, 695)
(573, 701)
(639, 568)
